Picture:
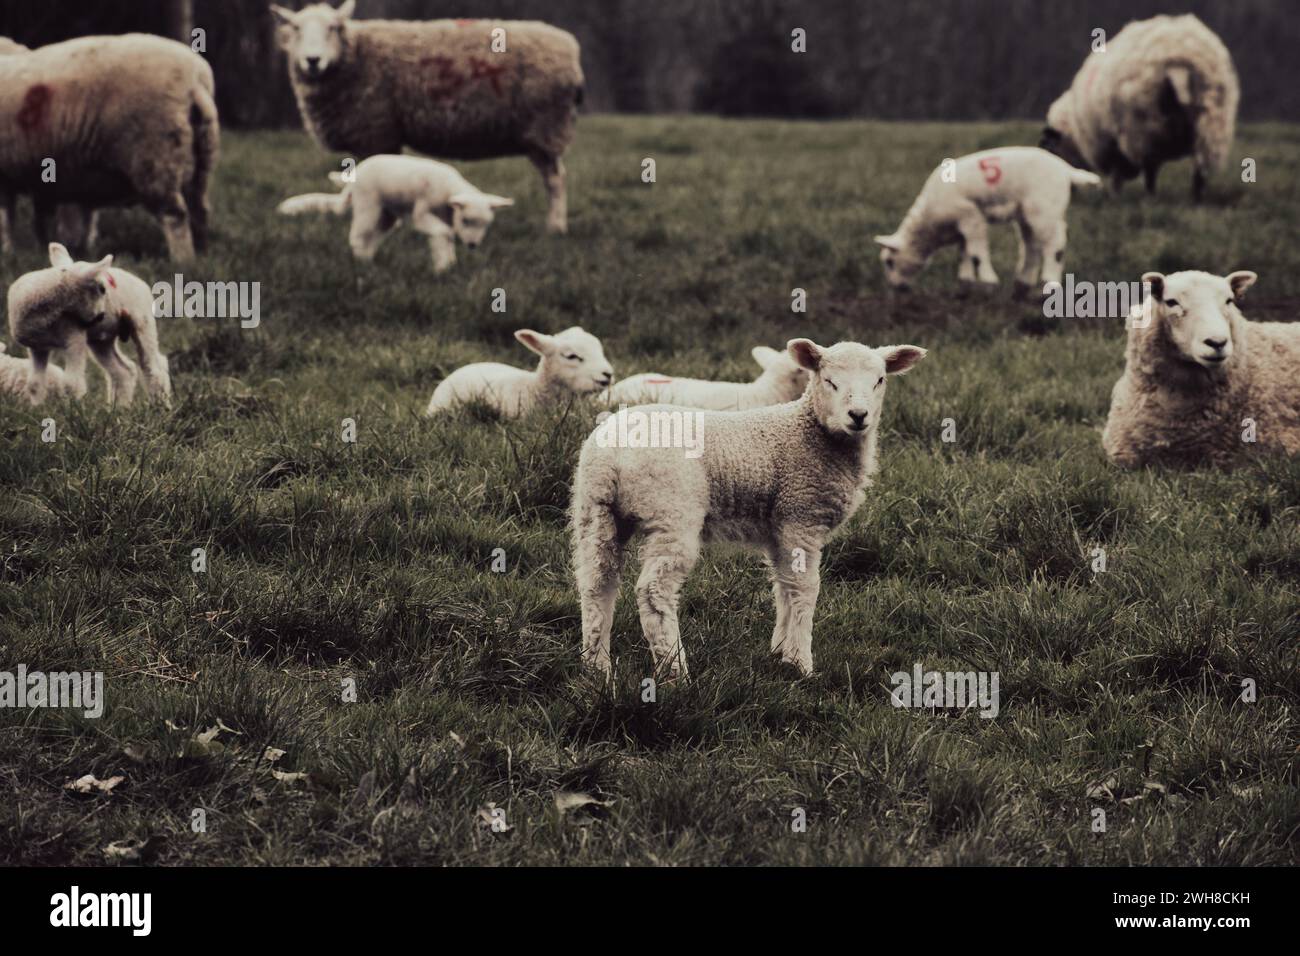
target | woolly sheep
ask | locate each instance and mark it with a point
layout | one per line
(777, 479)
(126, 119)
(439, 87)
(1201, 384)
(15, 377)
(572, 363)
(1020, 184)
(782, 380)
(440, 202)
(80, 306)
(1162, 89)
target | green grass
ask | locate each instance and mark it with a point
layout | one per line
(372, 561)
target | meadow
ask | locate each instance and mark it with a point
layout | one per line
(334, 565)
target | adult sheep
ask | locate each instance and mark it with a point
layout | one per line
(373, 86)
(1162, 89)
(125, 119)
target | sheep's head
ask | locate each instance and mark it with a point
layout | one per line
(472, 213)
(848, 381)
(781, 368)
(899, 260)
(572, 359)
(81, 288)
(1197, 313)
(315, 37)
(1059, 137)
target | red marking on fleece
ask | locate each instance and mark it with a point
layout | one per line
(658, 381)
(111, 282)
(991, 169)
(482, 70)
(35, 109)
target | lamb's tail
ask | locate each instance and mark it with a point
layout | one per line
(335, 204)
(1081, 177)
(206, 129)
(1211, 108)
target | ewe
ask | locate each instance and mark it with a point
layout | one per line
(1201, 384)
(440, 202)
(572, 363)
(1020, 184)
(459, 89)
(778, 479)
(1162, 89)
(79, 305)
(783, 380)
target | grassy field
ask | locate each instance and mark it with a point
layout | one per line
(372, 561)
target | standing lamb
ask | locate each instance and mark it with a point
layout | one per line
(1162, 89)
(125, 119)
(1201, 384)
(77, 306)
(1020, 184)
(572, 363)
(439, 201)
(778, 479)
(783, 380)
(444, 87)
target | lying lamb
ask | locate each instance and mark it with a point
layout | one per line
(1020, 184)
(439, 201)
(783, 380)
(442, 87)
(572, 363)
(79, 305)
(778, 479)
(1201, 384)
(15, 377)
(1162, 89)
(126, 119)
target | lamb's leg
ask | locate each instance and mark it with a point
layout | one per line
(781, 602)
(37, 382)
(1030, 260)
(174, 217)
(369, 228)
(153, 364)
(598, 563)
(1053, 249)
(553, 178)
(121, 371)
(801, 581)
(666, 560)
(75, 355)
(976, 263)
(442, 241)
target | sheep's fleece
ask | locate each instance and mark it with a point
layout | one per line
(1163, 88)
(1180, 402)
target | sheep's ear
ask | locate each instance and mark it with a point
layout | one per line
(899, 358)
(59, 255)
(806, 353)
(497, 202)
(1240, 282)
(460, 200)
(346, 10)
(283, 17)
(764, 356)
(1156, 282)
(536, 341)
(889, 242)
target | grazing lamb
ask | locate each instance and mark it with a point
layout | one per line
(1020, 184)
(573, 363)
(778, 479)
(126, 119)
(1201, 384)
(443, 87)
(15, 377)
(783, 380)
(439, 201)
(1163, 88)
(77, 306)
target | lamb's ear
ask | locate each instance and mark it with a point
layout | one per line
(1240, 282)
(899, 358)
(536, 341)
(806, 353)
(497, 202)
(283, 17)
(59, 255)
(346, 10)
(764, 356)
(460, 200)
(889, 242)
(1156, 282)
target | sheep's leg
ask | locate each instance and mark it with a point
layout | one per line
(781, 602)
(442, 241)
(44, 214)
(369, 228)
(1053, 251)
(1030, 261)
(800, 579)
(121, 371)
(666, 560)
(598, 564)
(1149, 173)
(153, 364)
(1198, 184)
(976, 262)
(174, 217)
(37, 381)
(75, 354)
(553, 178)
(8, 212)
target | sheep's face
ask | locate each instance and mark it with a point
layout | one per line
(572, 359)
(1058, 136)
(315, 38)
(781, 368)
(1198, 312)
(848, 381)
(81, 289)
(900, 262)
(472, 213)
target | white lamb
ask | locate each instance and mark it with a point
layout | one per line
(15, 376)
(1020, 184)
(439, 201)
(778, 479)
(572, 363)
(80, 306)
(782, 380)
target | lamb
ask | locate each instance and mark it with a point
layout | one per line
(442, 87)
(572, 363)
(77, 306)
(782, 380)
(440, 202)
(1201, 384)
(1020, 184)
(126, 119)
(15, 375)
(1163, 88)
(777, 479)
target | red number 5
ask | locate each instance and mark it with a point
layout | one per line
(992, 171)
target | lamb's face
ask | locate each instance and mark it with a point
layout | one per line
(780, 367)
(901, 263)
(1198, 312)
(472, 214)
(79, 289)
(848, 381)
(573, 358)
(315, 38)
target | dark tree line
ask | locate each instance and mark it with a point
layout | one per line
(940, 59)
